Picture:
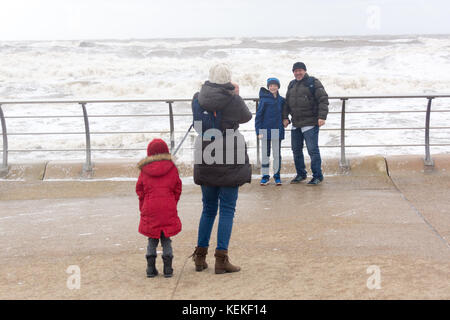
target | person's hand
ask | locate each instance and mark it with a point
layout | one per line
(260, 136)
(321, 122)
(285, 122)
(236, 88)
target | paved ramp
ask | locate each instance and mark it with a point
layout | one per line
(292, 242)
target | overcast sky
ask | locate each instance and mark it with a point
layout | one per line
(145, 19)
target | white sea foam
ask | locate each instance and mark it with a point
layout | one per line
(98, 69)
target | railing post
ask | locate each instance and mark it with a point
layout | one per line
(258, 147)
(4, 167)
(343, 163)
(87, 168)
(428, 161)
(172, 127)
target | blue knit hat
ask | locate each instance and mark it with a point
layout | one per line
(273, 81)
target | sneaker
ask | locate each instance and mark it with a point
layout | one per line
(265, 180)
(298, 179)
(314, 182)
(278, 181)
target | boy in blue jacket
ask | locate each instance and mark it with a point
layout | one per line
(269, 128)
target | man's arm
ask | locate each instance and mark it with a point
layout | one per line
(322, 99)
(286, 111)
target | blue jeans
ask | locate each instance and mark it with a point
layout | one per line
(311, 137)
(212, 197)
(266, 144)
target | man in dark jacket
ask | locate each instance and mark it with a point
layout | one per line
(220, 180)
(307, 103)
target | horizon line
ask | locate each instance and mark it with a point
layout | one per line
(232, 37)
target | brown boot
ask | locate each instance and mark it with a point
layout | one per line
(222, 263)
(199, 257)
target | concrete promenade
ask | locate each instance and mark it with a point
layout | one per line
(379, 231)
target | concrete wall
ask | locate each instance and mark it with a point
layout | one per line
(127, 169)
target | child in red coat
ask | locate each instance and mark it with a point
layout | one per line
(159, 189)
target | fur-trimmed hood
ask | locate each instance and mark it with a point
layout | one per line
(156, 165)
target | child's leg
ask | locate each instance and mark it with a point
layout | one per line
(151, 257)
(265, 152)
(276, 145)
(166, 243)
(151, 248)
(167, 255)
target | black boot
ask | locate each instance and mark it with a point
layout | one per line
(151, 268)
(168, 271)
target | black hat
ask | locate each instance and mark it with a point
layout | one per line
(298, 65)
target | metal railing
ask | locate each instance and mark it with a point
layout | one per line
(88, 150)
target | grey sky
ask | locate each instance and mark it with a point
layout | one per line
(144, 19)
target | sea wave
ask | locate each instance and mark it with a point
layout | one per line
(174, 68)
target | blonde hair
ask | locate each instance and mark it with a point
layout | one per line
(220, 74)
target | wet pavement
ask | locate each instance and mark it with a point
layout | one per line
(378, 231)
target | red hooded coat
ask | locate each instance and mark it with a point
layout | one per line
(159, 189)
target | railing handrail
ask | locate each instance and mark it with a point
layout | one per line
(342, 98)
(80, 101)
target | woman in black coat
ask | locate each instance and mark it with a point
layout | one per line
(223, 172)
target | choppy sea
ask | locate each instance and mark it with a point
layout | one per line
(176, 68)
